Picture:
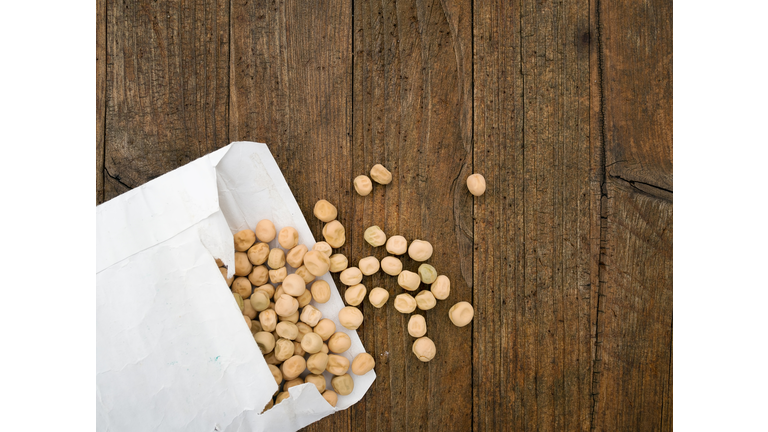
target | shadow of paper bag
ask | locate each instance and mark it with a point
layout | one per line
(172, 350)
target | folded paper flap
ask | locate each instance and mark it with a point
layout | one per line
(172, 350)
(156, 210)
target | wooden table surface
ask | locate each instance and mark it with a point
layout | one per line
(564, 107)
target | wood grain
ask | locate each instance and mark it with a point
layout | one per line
(412, 113)
(101, 90)
(633, 356)
(536, 225)
(167, 87)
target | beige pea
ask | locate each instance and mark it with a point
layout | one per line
(425, 300)
(417, 326)
(219, 262)
(362, 364)
(331, 397)
(243, 266)
(378, 297)
(424, 349)
(292, 318)
(258, 253)
(338, 263)
(317, 380)
(276, 374)
(397, 245)
(420, 250)
(339, 342)
(303, 330)
(265, 341)
(363, 185)
(242, 286)
(293, 383)
(375, 236)
(276, 258)
(325, 328)
(265, 230)
(304, 274)
(312, 343)
(325, 349)
(259, 275)
(337, 365)
(441, 288)
(476, 184)
(268, 320)
(278, 275)
(391, 265)
(323, 247)
(427, 273)
(321, 291)
(351, 276)
(350, 317)
(244, 240)
(334, 234)
(293, 367)
(409, 280)
(325, 211)
(228, 279)
(287, 330)
(355, 294)
(267, 289)
(368, 265)
(239, 301)
(288, 237)
(294, 285)
(287, 305)
(248, 321)
(248, 309)
(278, 293)
(281, 397)
(405, 303)
(461, 314)
(270, 358)
(283, 349)
(317, 263)
(297, 349)
(343, 384)
(310, 315)
(295, 257)
(305, 298)
(317, 362)
(381, 175)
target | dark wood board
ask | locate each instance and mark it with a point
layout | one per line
(565, 107)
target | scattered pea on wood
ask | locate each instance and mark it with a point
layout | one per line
(409, 280)
(355, 294)
(391, 265)
(334, 234)
(424, 349)
(420, 250)
(476, 184)
(441, 288)
(381, 175)
(378, 297)
(351, 317)
(375, 236)
(325, 211)
(417, 326)
(427, 273)
(363, 185)
(397, 245)
(405, 303)
(425, 300)
(461, 314)
(351, 276)
(339, 263)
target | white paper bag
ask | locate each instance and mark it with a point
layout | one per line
(172, 350)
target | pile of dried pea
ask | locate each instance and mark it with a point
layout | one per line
(298, 344)
(292, 334)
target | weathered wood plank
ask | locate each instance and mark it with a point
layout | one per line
(637, 80)
(537, 225)
(291, 87)
(633, 374)
(635, 320)
(167, 87)
(412, 113)
(101, 90)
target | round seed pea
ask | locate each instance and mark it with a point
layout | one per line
(441, 288)
(405, 303)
